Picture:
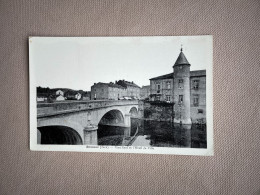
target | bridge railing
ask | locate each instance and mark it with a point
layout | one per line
(69, 106)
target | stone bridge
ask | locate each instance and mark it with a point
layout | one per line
(76, 122)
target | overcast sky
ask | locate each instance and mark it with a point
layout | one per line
(79, 62)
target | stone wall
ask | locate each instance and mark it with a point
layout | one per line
(99, 91)
(52, 108)
(166, 89)
(198, 108)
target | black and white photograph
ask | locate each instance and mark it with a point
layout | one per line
(151, 94)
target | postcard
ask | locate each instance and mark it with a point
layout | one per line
(150, 94)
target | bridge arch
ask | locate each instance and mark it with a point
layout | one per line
(114, 116)
(59, 135)
(60, 122)
(133, 111)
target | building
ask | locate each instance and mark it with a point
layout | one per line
(114, 91)
(86, 95)
(161, 88)
(59, 92)
(132, 89)
(111, 91)
(185, 88)
(73, 95)
(60, 98)
(41, 98)
(145, 92)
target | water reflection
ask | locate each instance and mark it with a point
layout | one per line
(154, 133)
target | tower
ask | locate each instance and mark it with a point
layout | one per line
(181, 90)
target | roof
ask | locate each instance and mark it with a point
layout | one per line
(110, 85)
(114, 85)
(197, 73)
(166, 76)
(194, 73)
(125, 84)
(181, 60)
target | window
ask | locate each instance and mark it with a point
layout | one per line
(195, 84)
(168, 83)
(168, 98)
(180, 83)
(200, 110)
(158, 88)
(195, 100)
(180, 99)
(158, 98)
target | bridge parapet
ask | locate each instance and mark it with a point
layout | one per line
(48, 109)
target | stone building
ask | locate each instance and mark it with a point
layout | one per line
(185, 88)
(145, 92)
(114, 91)
(86, 95)
(111, 91)
(132, 90)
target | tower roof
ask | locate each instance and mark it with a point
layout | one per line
(181, 60)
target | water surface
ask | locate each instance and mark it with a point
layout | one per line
(154, 133)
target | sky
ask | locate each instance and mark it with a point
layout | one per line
(79, 62)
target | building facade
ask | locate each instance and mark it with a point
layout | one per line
(132, 90)
(145, 92)
(114, 91)
(103, 91)
(86, 95)
(184, 88)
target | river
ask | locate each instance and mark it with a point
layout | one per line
(155, 134)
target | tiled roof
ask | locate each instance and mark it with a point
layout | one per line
(193, 73)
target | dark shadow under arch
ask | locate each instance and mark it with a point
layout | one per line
(59, 135)
(112, 117)
(110, 130)
(133, 111)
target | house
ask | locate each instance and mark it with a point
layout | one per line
(184, 88)
(72, 95)
(60, 97)
(86, 95)
(132, 89)
(78, 96)
(59, 92)
(42, 97)
(111, 91)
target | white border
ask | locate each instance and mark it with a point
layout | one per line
(122, 149)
